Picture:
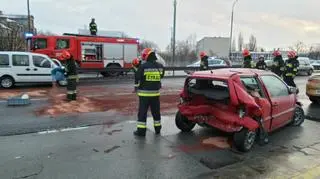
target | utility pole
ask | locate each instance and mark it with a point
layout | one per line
(174, 32)
(29, 19)
(230, 47)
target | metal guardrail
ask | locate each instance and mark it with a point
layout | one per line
(86, 70)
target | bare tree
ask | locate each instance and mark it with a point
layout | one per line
(233, 46)
(42, 32)
(11, 38)
(240, 42)
(298, 47)
(252, 43)
(314, 52)
(148, 44)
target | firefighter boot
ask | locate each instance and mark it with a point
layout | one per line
(157, 129)
(140, 132)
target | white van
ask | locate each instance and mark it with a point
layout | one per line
(25, 67)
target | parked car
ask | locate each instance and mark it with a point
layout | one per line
(25, 67)
(316, 64)
(305, 66)
(313, 88)
(234, 100)
(212, 61)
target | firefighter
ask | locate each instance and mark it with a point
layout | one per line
(247, 60)
(149, 75)
(291, 68)
(278, 63)
(71, 74)
(135, 66)
(261, 65)
(204, 64)
(93, 27)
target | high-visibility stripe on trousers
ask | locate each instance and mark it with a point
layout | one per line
(148, 93)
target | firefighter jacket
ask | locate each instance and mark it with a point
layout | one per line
(93, 27)
(71, 69)
(247, 62)
(278, 65)
(204, 64)
(261, 65)
(291, 67)
(149, 76)
(136, 78)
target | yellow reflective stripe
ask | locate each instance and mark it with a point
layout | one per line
(289, 65)
(148, 94)
(141, 126)
(295, 69)
(289, 74)
(157, 123)
(136, 85)
(70, 92)
(152, 73)
(73, 77)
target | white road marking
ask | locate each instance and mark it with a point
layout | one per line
(61, 130)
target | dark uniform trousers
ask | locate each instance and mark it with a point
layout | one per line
(144, 104)
(72, 79)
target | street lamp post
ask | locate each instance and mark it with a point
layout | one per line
(174, 32)
(29, 25)
(230, 47)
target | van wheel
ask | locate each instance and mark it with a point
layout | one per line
(7, 82)
(244, 140)
(114, 73)
(298, 117)
(183, 123)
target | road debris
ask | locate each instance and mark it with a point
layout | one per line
(111, 149)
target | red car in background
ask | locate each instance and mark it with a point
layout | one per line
(235, 101)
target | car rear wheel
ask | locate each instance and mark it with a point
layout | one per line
(183, 123)
(244, 140)
(298, 117)
(7, 82)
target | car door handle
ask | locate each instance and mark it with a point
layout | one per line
(28, 69)
(35, 69)
(275, 104)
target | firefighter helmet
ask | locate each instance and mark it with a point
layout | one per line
(203, 54)
(246, 52)
(145, 53)
(64, 55)
(292, 54)
(135, 62)
(276, 53)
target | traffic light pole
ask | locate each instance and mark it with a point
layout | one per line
(174, 32)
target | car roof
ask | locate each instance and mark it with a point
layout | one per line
(225, 73)
(21, 53)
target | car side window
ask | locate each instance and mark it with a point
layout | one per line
(4, 60)
(252, 84)
(20, 60)
(41, 62)
(275, 86)
(63, 44)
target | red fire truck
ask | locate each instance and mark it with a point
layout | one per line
(90, 51)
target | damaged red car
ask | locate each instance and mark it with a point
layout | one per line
(244, 102)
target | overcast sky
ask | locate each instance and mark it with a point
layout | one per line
(275, 23)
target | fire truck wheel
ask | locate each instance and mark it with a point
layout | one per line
(113, 73)
(104, 74)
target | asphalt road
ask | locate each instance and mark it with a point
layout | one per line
(21, 120)
(101, 144)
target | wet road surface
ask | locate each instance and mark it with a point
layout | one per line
(101, 144)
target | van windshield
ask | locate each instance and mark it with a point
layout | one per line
(39, 43)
